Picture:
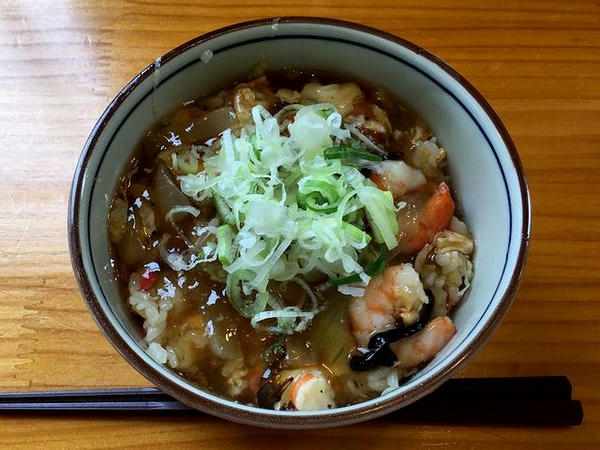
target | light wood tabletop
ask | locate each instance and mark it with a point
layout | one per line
(62, 61)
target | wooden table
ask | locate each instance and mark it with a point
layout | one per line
(61, 61)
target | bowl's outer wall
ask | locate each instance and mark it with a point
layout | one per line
(449, 104)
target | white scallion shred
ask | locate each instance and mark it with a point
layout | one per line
(365, 140)
(290, 319)
(308, 290)
(178, 210)
(191, 257)
(353, 291)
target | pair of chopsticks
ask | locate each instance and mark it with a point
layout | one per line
(542, 401)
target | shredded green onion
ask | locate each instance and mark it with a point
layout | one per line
(341, 152)
(246, 306)
(223, 210)
(379, 264)
(225, 250)
(354, 150)
(345, 280)
(372, 269)
(290, 207)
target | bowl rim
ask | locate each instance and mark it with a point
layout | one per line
(264, 417)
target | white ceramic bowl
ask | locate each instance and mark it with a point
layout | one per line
(484, 166)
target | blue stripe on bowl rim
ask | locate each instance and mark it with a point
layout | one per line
(331, 39)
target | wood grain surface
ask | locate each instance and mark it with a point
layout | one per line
(61, 62)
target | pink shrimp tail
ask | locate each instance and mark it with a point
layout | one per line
(422, 347)
(435, 216)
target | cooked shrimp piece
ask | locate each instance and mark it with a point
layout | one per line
(423, 346)
(445, 267)
(309, 390)
(416, 231)
(396, 294)
(397, 177)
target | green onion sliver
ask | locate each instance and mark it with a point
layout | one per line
(223, 210)
(356, 233)
(345, 280)
(375, 268)
(319, 196)
(342, 152)
(225, 236)
(313, 204)
(247, 308)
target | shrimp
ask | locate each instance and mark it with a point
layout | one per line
(395, 294)
(397, 177)
(418, 230)
(309, 390)
(423, 346)
(445, 266)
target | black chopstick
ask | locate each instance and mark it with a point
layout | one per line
(83, 396)
(97, 406)
(506, 388)
(546, 413)
(501, 401)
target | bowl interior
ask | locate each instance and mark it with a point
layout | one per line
(482, 172)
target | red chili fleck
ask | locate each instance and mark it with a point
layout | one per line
(147, 280)
(448, 305)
